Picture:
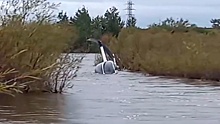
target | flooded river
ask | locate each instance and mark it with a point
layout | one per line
(123, 98)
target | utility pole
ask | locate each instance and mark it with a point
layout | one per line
(130, 11)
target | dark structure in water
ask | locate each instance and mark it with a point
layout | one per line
(107, 66)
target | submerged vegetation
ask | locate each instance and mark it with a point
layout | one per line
(36, 44)
(171, 47)
(160, 52)
(32, 48)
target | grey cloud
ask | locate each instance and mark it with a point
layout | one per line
(155, 2)
(149, 11)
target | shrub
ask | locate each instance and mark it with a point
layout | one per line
(32, 46)
(185, 54)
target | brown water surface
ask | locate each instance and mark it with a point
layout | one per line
(123, 98)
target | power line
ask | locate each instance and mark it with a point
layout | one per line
(130, 9)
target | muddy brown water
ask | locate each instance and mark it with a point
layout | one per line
(123, 98)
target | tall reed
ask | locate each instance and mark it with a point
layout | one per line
(160, 52)
(32, 46)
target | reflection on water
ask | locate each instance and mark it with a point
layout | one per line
(124, 98)
(35, 108)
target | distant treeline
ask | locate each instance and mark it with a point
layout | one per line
(87, 26)
(112, 23)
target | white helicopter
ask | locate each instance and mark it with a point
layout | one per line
(106, 66)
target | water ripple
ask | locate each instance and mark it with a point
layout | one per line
(123, 98)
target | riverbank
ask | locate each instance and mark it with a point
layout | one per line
(189, 54)
(29, 63)
(123, 98)
(31, 51)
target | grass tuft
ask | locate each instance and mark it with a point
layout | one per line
(188, 54)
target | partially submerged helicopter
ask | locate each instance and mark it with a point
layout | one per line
(106, 66)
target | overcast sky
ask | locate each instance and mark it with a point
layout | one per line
(150, 11)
